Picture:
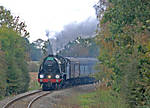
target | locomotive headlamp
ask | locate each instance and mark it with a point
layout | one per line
(41, 76)
(49, 76)
(57, 76)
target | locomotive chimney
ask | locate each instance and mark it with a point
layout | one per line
(50, 50)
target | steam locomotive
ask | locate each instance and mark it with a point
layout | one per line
(55, 70)
(52, 72)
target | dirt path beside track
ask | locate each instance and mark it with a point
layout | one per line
(64, 98)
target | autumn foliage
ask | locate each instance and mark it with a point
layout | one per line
(14, 77)
(124, 39)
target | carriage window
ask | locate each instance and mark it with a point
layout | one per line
(77, 68)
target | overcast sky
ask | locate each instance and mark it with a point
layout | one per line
(52, 15)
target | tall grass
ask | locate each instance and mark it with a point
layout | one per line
(34, 85)
(102, 98)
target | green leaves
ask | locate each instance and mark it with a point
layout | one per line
(125, 50)
(16, 72)
(12, 22)
(13, 56)
(3, 69)
(81, 48)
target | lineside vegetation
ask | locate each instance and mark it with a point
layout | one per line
(14, 77)
(124, 39)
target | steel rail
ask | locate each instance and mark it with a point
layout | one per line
(36, 98)
(18, 98)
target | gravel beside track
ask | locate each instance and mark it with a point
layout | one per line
(52, 100)
(10, 100)
(56, 99)
(26, 100)
(36, 98)
(6, 100)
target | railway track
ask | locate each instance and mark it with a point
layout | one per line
(27, 100)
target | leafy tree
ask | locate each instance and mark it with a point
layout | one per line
(124, 40)
(36, 50)
(13, 54)
(12, 22)
(3, 69)
(81, 48)
(13, 47)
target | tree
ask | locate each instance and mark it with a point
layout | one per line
(13, 46)
(3, 69)
(12, 22)
(13, 54)
(36, 50)
(123, 40)
(81, 48)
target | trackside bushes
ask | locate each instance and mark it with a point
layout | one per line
(3, 69)
(102, 98)
(15, 70)
(124, 40)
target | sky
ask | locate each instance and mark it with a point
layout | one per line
(52, 15)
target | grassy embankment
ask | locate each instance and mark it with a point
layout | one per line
(33, 67)
(34, 85)
(102, 97)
